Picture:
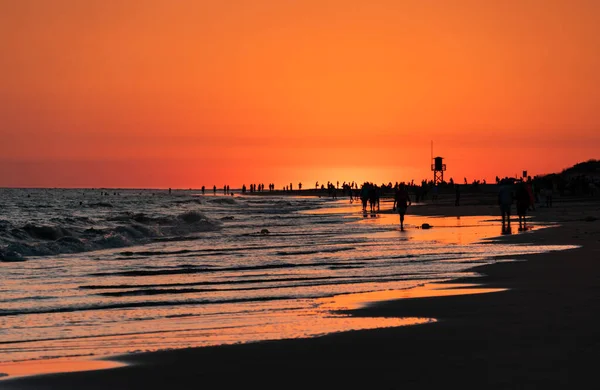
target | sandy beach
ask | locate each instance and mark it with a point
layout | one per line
(541, 332)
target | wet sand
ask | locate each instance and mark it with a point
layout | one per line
(539, 333)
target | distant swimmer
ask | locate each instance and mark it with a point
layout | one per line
(401, 203)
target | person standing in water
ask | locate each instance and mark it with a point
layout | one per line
(401, 203)
(364, 196)
(505, 199)
(523, 197)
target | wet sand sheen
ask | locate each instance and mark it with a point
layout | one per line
(52, 366)
(328, 324)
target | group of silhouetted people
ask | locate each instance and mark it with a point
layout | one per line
(510, 190)
(370, 194)
(519, 192)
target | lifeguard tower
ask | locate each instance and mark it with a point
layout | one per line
(438, 167)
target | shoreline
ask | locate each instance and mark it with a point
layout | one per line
(448, 343)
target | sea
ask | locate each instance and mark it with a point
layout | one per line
(97, 272)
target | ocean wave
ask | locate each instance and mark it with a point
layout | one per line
(100, 204)
(128, 305)
(195, 200)
(50, 233)
(190, 269)
(222, 200)
(314, 252)
(265, 285)
(231, 282)
(75, 234)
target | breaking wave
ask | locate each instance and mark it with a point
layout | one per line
(73, 235)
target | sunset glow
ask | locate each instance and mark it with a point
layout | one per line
(155, 93)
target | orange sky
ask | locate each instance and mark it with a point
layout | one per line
(153, 93)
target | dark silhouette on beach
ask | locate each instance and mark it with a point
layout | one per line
(364, 196)
(523, 199)
(401, 203)
(505, 199)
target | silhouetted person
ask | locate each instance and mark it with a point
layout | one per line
(523, 198)
(214, 190)
(169, 191)
(505, 199)
(401, 203)
(529, 188)
(300, 186)
(364, 196)
(203, 189)
(372, 197)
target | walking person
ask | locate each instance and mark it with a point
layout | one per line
(523, 197)
(364, 196)
(401, 203)
(505, 199)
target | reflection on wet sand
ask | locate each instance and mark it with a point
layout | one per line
(429, 290)
(452, 230)
(51, 366)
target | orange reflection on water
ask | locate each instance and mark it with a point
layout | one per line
(52, 366)
(450, 230)
(355, 301)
